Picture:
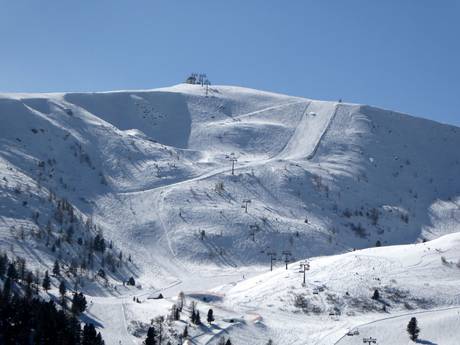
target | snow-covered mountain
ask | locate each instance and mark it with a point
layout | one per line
(151, 171)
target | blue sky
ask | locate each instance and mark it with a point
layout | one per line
(398, 54)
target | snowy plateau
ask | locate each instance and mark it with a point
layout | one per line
(370, 197)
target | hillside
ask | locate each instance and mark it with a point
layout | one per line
(413, 280)
(151, 172)
(151, 166)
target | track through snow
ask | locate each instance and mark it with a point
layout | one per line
(312, 127)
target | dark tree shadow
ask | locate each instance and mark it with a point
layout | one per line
(88, 319)
(425, 342)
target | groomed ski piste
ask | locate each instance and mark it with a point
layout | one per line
(325, 180)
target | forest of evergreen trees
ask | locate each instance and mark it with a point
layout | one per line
(26, 318)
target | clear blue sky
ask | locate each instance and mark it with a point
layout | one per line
(398, 54)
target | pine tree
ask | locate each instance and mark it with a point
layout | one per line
(3, 265)
(6, 289)
(98, 340)
(99, 243)
(185, 332)
(90, 336)
(175, 314)
(78, 303)
(12, 272)
(62, 292)
(159, 320)
(62, 288)
(56, 269)
(150, 340)
(228, 342)
(210, 317)
(29, 280)
(413, 329)
(74, 330)
(21, 264)
(46, 282)
(376, 295)
(180, 301)
(193, 312)
(197, 318)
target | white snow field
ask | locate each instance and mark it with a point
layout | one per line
(152, 171)
(412, 280)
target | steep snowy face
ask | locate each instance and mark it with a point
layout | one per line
(387, 165)
(154, 170)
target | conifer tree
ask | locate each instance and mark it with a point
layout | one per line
(197, 318)
(159, 322)
(210, 317)
(180, 301)
(46, 282)
(12, 272)
(412, 329)
(185, 332)
(376, 295)
(62, 288)
(3, 265)
(6, 289)
(150, 340)
(193, 316)
(56, 269)
(90, 336)
(78, 303)
(62, 292)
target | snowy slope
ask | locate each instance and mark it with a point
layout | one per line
(152, 170)
(411, 279)
(322, 177)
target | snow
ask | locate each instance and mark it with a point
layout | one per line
(437, 327)
(323, 178)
